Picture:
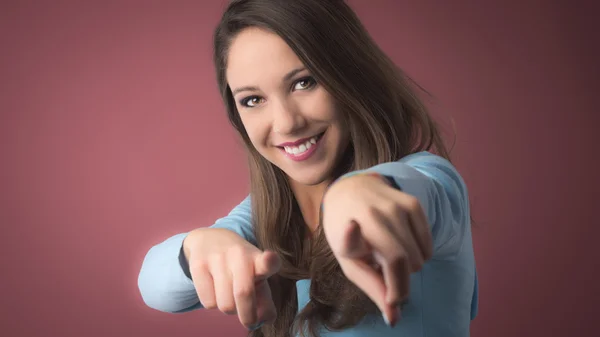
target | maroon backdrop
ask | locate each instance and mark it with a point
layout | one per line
(113, 138)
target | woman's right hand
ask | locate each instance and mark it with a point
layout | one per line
(231, 274)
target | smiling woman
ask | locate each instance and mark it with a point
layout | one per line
(350, 213)
(282, 107)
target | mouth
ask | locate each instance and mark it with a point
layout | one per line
(302, 151)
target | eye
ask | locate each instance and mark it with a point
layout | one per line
(305, 83)
(251, 101)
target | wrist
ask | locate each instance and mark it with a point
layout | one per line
(188, 242)
(362, 174)
(184, 256)
(344, 178)
(185, 248)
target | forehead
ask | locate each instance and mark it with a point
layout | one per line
(259, 57)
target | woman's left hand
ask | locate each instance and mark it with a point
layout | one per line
(379, 236)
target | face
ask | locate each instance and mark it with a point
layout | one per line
(290, 119)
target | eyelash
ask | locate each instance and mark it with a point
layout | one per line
(310, 79)
(312, 82)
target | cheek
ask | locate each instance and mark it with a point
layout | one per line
(256, 130)
(323, 107)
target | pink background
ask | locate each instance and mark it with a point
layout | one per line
(113, 138)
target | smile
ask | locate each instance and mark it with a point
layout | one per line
(303, 149)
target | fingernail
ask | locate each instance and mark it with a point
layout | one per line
(256, 326)
(390, 321)
(385, 319)
(396, 316)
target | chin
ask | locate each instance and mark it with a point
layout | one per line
(308, 180)
(310, 176)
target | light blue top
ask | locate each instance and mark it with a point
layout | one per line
(443, 294)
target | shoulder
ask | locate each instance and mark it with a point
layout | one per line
(425, 168)
(427, 161)
(438, 169)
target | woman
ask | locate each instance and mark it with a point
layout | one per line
(353, 226)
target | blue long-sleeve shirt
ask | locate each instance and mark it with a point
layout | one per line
(443, 294)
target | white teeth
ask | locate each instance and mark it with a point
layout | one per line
(296, 150)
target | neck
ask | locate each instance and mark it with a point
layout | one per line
(309, 200)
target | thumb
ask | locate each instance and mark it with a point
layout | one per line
(266, 264)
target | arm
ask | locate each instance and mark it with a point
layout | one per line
(364, 218)
(164, 280)
(443, 195)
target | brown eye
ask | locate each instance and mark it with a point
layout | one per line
(304, 84)
(252, 101)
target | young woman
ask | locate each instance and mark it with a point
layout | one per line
(357, 224)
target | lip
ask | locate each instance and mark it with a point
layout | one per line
(300, 141)
(306, 154)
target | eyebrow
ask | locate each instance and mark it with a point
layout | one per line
(286, 78)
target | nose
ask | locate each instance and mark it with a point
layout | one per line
(287, 118)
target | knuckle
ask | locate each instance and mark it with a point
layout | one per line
(392, 208)
(413, 203)
(227, 308)
(208, 304)
(243, 291)
(198, 266)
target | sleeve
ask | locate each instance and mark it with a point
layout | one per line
(164, 281)
(475, 298)
(441, 192)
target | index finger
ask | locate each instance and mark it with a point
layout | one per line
(244, 292)
(369, 280)
(389, 253)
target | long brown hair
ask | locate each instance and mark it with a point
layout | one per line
(386, 120)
